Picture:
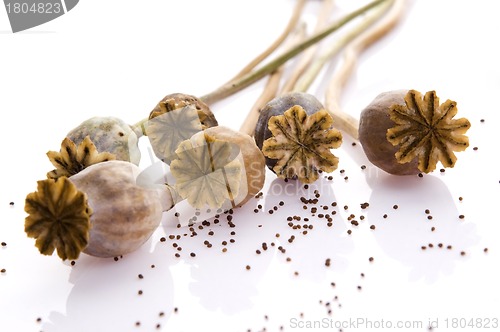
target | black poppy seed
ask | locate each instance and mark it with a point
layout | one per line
(372, 227)
(248, 267)
(224, 249)
(482, 120)
(327, 262)
(423, 247)
(177, 255)
(140, 276)
(429, 217)
(462, 253)
(461, 216)
(433, 229)
(116, 259)
(349, 231)
(442, 170)
(256, 211)
(296, 273)
(306, 186)
(346, 207)
(73, 263)
(359, 287)
(11, 203)
(395, 206)
(257, 252)
(158, 326)
(449, 247)
(137, 323)
(4, 244)
(485, 249)
(371, 259)
(162, 239)
(384, 216)
(161, 314)
(354, 222)
(440, 245)
(431, 245)
(140, 292)
(176, 310)
(475, 148)
(3, 270)
(192, 254)
(329, 224)
(460, 198)
(363, 166)
(420, 175)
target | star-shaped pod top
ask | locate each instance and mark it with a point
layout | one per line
(426, 130)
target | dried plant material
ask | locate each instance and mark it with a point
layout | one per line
(72, 159)
(301, 143)
(206, 171)
(426, 130)
(176, 118)
(109, 134)
(59, 218)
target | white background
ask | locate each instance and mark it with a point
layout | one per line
(118, 58)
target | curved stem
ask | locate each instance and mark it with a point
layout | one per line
(233, 87)
(270, 90)
(307, 56)
(299, 7)
(344, 121)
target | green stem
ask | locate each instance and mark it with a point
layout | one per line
(246, 80)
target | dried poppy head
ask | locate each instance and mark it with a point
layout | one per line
(404, 133)
(295, 134)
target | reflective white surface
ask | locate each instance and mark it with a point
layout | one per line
(118, 58)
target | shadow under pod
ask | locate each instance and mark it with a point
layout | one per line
(428, 242)
(105, 296)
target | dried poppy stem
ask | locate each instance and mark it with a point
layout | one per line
(292, 23)
(344, 121)
(307, 56)
(251, 77)
(270, 90)
(272, 86)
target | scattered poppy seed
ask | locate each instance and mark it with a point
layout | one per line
(73, 263)
(4, 244)
(192, 254)
(363, 166)
(140, 276)
(429, 217)
(158, 326)
(460, 198)
(372, 227)
(139, 292)
(349, 232)
(371, 259)
(482, 120)
(162, 239)
(327, 262)
(461, 216)
(153, 266)
(395, 207)
(440, 245)
(11, 203)
(38, 320)
(475, 148)
(485, 249)
(420, 175)
(385, 216)
(248, 267)
(137, 323)
(449, 247)
(161, 314)
(462, 253)
(176, 310)
(442, 170)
